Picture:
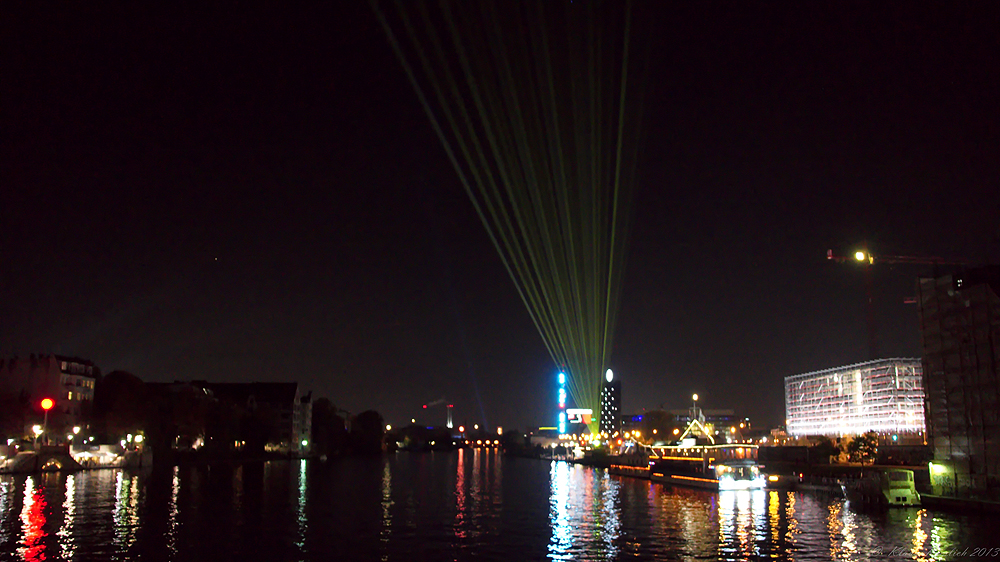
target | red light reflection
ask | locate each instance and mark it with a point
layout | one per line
(33, 524)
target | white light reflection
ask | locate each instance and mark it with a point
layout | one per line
(758, 500)
(610, 509)
(386, 532)
(742, 522)
(584, 513)
(942, 537)
(65, 532)
(6, 504)
(849, 528)
(172, 512)
(562, 533)
(301, 512)
(126, 515)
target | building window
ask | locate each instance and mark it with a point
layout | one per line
(70, 397)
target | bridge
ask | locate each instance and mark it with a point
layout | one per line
(46, 458)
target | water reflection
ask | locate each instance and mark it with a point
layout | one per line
(126, 509)
(562, 533)
(742, 523)
(301, 519)
(65, 532)
(466, 505)
(460, 507)
(385, 534)
(919, 550)
(584, 513)
(7, 491)
(610, 516)
(173, 514)
(32, 523)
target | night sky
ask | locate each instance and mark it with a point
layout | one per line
(254, 194)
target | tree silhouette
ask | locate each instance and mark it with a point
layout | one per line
(863, 448)
(824, 449)
(366, 432)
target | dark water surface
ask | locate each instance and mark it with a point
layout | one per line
(465, 505)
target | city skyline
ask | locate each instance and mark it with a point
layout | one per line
(254, 194)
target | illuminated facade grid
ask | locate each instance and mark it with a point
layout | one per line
(611, 399)
(886, 396)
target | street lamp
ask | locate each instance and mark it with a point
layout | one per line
(47, 405)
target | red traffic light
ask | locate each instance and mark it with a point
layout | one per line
(47, 403)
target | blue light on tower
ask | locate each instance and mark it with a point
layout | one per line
(562, 402)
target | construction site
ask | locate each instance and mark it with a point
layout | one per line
(960, 330)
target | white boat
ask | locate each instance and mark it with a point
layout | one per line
(885, 487)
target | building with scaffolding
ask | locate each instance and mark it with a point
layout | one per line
(885, 396)
(960, 332)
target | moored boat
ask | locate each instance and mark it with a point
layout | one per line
(885, 487)
(631, 460)
(716, 467)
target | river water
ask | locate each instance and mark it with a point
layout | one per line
(463, 505)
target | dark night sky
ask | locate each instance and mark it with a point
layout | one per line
(254, 193)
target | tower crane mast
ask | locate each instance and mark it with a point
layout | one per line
(865, 257)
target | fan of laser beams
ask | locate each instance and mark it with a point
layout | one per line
(532, 104)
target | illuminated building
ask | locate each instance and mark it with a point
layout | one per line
(885, 396)
(611, 400)
(960, 332)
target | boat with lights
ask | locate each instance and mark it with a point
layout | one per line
(632, 460)
(715, 467)
(696, 460)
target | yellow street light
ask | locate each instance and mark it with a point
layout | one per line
(859, 255)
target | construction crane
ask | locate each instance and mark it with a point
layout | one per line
(868, 259)
(439, 402)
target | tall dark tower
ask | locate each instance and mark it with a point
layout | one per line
(611, 405)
